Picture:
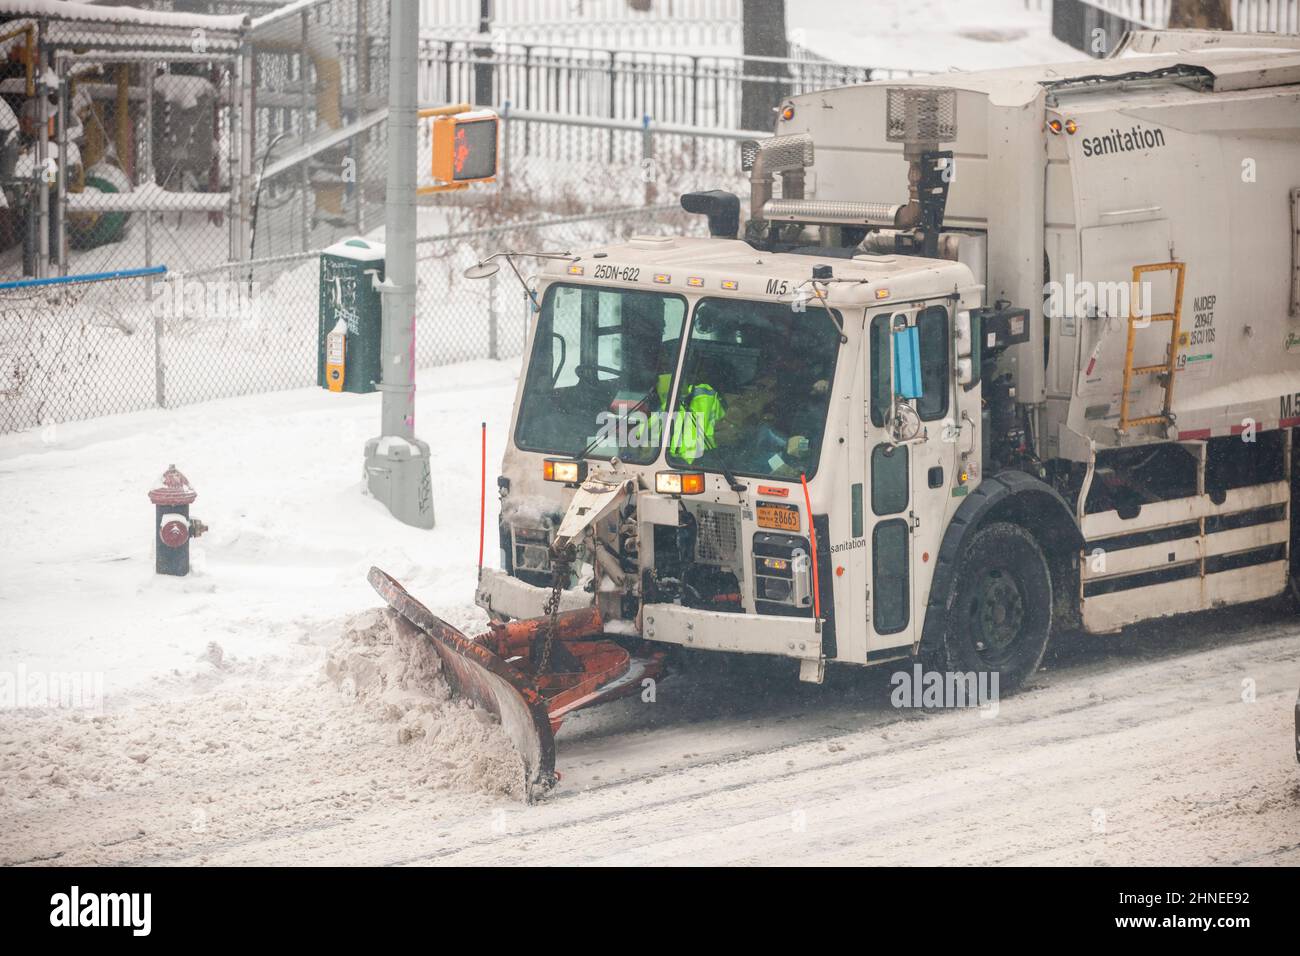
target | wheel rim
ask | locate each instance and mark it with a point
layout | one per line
(997, 614)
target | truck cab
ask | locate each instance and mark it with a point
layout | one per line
(743, 406)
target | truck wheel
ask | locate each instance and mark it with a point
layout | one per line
(1000, 608)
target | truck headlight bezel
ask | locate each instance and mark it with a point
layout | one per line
(679, 482)
(564, 470)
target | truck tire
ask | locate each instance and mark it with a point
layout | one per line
(1000, 606)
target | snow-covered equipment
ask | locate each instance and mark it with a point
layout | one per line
(1010, 351)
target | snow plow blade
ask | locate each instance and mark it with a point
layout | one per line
(473, 671)
(496, 670)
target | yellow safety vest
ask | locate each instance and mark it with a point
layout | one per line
(695, 418)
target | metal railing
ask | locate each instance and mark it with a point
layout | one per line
(646, 24)
(1266, 16)
(703, 90)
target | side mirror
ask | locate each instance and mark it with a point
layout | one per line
(907, 362)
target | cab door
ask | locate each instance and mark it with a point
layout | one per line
(935, 456)
(907, 484)
(889, 499)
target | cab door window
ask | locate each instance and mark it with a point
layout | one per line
(932, 327)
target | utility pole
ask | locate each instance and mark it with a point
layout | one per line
(397, 463)
(484, 95)
(763, 35)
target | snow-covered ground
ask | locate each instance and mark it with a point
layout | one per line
(934, 35)
(279, 480)
(261, 711)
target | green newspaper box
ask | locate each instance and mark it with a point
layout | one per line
(349, 271)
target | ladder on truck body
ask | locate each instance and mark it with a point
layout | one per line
(1165, 369)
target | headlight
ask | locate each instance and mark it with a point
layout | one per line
(679, 482)
(565, 470)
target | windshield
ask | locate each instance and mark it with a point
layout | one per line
(755, 388)
(601, 372)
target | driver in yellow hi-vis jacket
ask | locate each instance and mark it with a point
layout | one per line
(699, 410)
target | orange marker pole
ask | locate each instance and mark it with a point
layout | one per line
(482, 499)
(812, 536)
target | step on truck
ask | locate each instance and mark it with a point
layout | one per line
(980, 357)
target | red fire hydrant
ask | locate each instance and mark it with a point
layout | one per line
(175, 527)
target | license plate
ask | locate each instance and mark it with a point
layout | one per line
(778, 516)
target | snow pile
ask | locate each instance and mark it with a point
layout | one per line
(392, 671)
(254, 759)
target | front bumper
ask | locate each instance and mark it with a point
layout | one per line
(668, 623)
(500, 593)
(727, 631)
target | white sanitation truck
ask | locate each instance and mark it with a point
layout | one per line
(992, 354)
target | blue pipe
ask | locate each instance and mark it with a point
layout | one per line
(87, 277)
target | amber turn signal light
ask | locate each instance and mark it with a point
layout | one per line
(679, 483)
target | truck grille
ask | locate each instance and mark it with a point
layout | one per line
(532, 549)
(717, 539)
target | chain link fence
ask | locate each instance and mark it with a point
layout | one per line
(76, 351)
(565, 164)
(318, 96)
(188, 132)
(85, 349)
(117, 129)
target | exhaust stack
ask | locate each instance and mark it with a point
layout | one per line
(921, 118)
(787, 155)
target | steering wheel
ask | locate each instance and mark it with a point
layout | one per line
(585, 372)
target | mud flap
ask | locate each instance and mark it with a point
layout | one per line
(476, 673)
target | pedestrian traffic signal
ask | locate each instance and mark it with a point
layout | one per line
(465, 148)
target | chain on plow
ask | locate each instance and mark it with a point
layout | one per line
(561, 561)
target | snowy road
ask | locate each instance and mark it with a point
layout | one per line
(1144, 756)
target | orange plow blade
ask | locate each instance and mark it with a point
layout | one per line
(496, 671)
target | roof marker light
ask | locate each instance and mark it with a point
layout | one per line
(730, 284)
(663, 278)
(695, 282)
(576, 270)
